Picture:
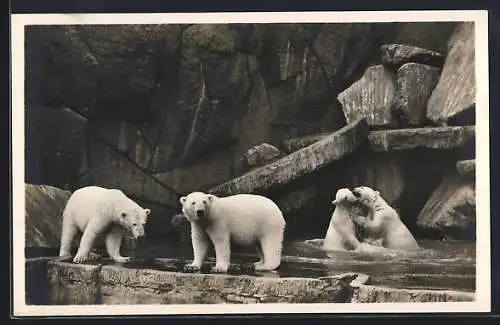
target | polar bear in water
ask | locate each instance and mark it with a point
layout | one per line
(383, 222)
(341, 234)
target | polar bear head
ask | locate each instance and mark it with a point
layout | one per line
(196, 205)
(133, 217)
(366, 194)
(344, 195)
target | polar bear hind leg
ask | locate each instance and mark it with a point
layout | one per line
(113, 243)
(68, 234)
(271, 246)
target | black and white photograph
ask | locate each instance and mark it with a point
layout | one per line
(225, 163)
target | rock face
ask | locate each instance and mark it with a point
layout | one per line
(194, 98)
(297, 199)
(55, 146)
(435, 138)
(398, 54)
(43, 215)
(370, 97)
(451, 209)
(456, 90)
(414, 85)
(382, 171)
(294, 144)
(300, 163)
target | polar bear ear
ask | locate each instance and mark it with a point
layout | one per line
(377, 192)
(148, 211)
(183, 200)
(210, 197)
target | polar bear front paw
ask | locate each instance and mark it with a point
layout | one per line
(220, 268)
(258, 265)
(191, 268)
(122, 259)
(86, 257)
(80, 258)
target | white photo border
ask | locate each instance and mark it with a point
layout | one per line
(482, 302)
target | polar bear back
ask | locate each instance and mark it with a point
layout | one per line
(93, 201)
(248, 217)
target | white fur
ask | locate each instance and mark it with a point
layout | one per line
(246, 219)
(384, 222)
(96, 211)
(341, 233)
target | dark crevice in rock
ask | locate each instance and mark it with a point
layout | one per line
(466, 117)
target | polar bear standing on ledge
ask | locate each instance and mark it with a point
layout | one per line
(96, 211)
(383, 221)
(246, 219)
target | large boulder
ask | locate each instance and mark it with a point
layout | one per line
(371, 97)
(456, 89)
(467, 168)
(395, 55)
(451, 209)
(414, 85)
(44, 207)
(259, 155)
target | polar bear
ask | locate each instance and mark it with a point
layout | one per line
(383, 221)
(341, 232)
(246, 219)
(96, 211)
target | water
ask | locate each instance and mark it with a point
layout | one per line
(437, 265)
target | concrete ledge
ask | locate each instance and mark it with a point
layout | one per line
(375, 294)
(74, 284)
